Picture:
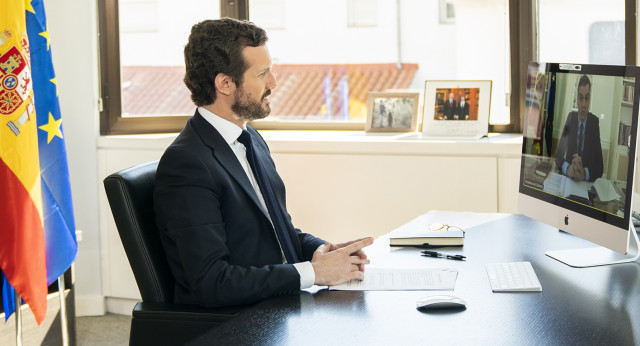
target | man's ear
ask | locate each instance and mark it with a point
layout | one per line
(224, 84)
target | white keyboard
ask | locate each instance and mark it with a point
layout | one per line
(513, 277)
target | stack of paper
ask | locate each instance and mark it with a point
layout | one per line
(564, 186)
(377, 279)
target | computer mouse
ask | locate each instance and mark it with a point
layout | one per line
(440, 302)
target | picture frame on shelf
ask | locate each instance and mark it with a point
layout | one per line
(456, 108)
(392, 112)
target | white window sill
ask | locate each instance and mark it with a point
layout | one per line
(346, 142)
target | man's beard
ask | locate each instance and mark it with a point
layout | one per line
(247, 109)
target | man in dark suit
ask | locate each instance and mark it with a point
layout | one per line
(579, 154)
(449, 108)
(228, 237)
(462, 111)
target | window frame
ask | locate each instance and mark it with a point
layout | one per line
(111, 120)
(523, 48)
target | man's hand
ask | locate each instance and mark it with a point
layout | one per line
(577, 160)
(360, 253)
(575, 170)
(335, 264)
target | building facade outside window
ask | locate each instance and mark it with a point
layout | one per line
(328, 55)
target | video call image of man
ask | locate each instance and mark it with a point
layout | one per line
(462, 111)
(579, 154)
(219, 201)
(449, 108)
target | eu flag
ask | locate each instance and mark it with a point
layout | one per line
(57, 210)
(59, 226)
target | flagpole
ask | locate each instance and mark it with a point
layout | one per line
(63, 311)
(18, 313)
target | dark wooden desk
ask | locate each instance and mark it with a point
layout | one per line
(599, 305)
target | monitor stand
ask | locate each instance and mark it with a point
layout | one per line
(597, 256)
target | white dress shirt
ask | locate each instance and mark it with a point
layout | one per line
(230, 132)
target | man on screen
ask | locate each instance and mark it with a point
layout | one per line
(579, 154)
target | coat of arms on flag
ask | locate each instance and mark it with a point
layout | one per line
(15, 85)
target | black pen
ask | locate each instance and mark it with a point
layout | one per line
(431, 253)
(442, 255)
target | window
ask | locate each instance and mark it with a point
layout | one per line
(447, 12)
(595, 34)
(360, 13)
(142, 65)
(326, 64)
(329, 54)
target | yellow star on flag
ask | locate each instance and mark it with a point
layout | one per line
(28, 7)
(45, 34)
(52, 128)
(53, 80)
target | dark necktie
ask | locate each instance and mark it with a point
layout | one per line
(580, 139)
(269, 198)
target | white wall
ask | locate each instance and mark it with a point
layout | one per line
(73, 32)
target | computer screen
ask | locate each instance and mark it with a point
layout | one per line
(578, 152)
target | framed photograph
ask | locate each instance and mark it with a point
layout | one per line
(392, 112)
(456, 109)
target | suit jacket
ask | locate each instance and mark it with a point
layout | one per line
(220, 245)
(592, 150)
(462, 111)
(449, 109)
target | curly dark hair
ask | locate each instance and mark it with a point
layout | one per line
(215, 46)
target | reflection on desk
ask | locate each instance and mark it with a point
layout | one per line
(599, 305)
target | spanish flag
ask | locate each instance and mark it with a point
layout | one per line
(22, 245)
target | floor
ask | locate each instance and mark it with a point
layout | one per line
(110, 329)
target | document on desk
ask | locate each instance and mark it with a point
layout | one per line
(564, 186)
(605, 189)
(390, 279)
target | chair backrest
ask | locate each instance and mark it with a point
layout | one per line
(130, 195)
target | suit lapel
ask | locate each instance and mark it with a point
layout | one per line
(277, 186)
(267, 162)
(224, 155)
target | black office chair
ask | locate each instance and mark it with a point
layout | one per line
(156, 320)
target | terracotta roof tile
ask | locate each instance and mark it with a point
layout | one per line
(302, 92)
(155, 90)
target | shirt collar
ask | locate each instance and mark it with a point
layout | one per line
(228, 130)
(580, 122)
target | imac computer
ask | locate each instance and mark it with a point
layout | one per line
(579, 157)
